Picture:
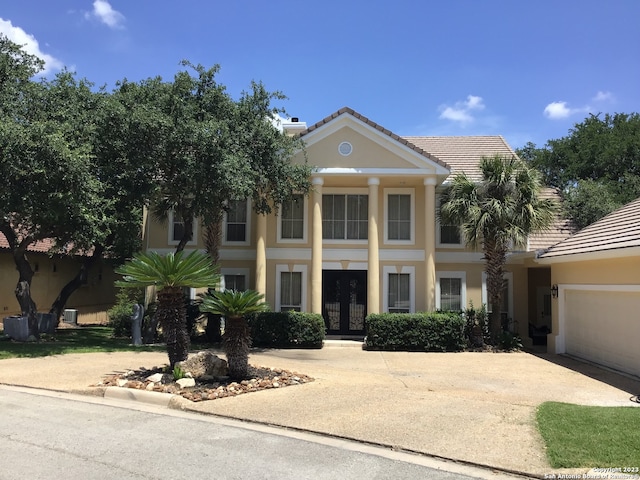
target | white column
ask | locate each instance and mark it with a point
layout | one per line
(373, 275)
(316, 246)
(261, 255)
(430, 243)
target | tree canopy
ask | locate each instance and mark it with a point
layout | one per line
(596, 166)
(215, 150)
(79, 163)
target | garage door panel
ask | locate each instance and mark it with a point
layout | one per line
(604, 327)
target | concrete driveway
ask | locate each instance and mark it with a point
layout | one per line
(473, 407)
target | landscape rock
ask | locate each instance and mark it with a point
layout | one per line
(155, 378)
(204, 363)
(186, 382)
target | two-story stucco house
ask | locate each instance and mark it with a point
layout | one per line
(367, 239)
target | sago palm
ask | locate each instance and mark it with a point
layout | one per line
(498, 213)
(170, 273)
(235, 306)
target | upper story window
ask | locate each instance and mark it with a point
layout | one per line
(449, 236)
(292, 218)
(345, 217)
(399, 216)
(176, 230)
(236, 225)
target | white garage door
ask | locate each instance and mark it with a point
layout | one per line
(603, 326)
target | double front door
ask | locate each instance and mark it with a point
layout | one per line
(344, 303)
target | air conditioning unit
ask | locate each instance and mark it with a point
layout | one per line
(71, 316)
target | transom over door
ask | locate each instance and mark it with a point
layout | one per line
(344, 305)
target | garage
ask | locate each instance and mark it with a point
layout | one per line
(595, 276)
(602, 324)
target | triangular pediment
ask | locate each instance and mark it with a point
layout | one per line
(347, 140)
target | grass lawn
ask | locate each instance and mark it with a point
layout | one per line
(580, 436)
(73, 340)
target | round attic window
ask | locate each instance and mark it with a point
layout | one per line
(345, 149)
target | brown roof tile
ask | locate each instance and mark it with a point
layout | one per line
(561, 228)
(463, 154)
(41, 246)
(618, 230)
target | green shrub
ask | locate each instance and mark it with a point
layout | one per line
(478, 318)
(435, 331)
(287, 330)
(509, 342)
(120, 314)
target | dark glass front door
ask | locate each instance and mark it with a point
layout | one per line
(344, 303)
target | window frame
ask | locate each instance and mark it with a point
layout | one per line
(239, 272)
(283, 268)
(439, 225)
(172, 221)
(305, 210)
(247, 240)
(412, 216)
(345, 192)
(462, 276)
(401, 270)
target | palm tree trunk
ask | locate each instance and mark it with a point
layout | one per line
(236, 344)
(496, 257)
(172, 317)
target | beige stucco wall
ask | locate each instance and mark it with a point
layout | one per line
(91, 300)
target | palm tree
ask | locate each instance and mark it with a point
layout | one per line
(170, 274)
(235, 306)
(499, 213)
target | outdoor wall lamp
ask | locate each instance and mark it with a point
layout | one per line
(554, 290)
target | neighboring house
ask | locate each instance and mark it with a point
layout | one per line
(51, 274)
(367, 239)
(597, 276)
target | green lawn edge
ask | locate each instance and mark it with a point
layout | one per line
(84, 339)
(579, 436)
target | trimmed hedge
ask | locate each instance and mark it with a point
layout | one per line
(425, 332)
(287, 330)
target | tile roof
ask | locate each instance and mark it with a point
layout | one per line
(463, 154)
(403, 140)
(41, 246)
(561, 228)
(618, 230)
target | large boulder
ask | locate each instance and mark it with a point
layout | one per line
(204, 364)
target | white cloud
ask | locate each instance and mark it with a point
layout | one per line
(556, 110)
(462, 111)
(603, 97)
(104, 12)
(29, 44)
(560, 110)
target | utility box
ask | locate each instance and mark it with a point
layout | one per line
(71, 316)
(16, 327)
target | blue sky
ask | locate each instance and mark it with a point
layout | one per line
(527, 70)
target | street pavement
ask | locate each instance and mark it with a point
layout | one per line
(471, 409)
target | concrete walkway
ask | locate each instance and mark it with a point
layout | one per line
(470, 407)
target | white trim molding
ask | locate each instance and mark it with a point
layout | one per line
(280, 268)
(463, 287)
(247, 237)
(406, 270)
(170, 239)
(412, 215)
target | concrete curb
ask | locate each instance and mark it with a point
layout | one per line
(153, 398)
